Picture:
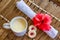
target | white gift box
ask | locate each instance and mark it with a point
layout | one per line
(21, 5)
(52, 32)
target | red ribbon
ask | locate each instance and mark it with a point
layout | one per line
(42, 21)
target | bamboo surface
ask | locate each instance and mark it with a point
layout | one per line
(9, 10)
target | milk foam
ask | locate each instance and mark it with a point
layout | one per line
(19, 25)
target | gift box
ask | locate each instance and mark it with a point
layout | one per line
(41, 21)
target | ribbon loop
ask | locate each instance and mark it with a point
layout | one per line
(42, 21)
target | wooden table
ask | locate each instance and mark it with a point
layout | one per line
(9, 11)
(56, 2)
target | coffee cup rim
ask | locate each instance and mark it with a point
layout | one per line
(11, 22)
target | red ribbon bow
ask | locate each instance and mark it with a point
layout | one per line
(42, 21)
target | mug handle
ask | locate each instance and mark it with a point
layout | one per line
(6, 25)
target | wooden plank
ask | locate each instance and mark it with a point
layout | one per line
(57, 24)
(36, 9)
(32, 6)
(1, 31)
(26, 1)
(53, 21)
(3, 4)
(8, 8)
(50, 39)
(26, 38)
(47, 38)
(44, 3)
(38, 2)
(4, 35)
(2, 21)
(11, 35)
(56, 2)
(43, 37)
(39, 10)
(53, 9)
(59, 28)
(29, 3)
(14, 38)
(39, 34)
(19, 38)
(57, 14)
(10, 16)
(50, 7)
(6, 38)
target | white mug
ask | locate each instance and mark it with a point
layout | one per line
(11, 25)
